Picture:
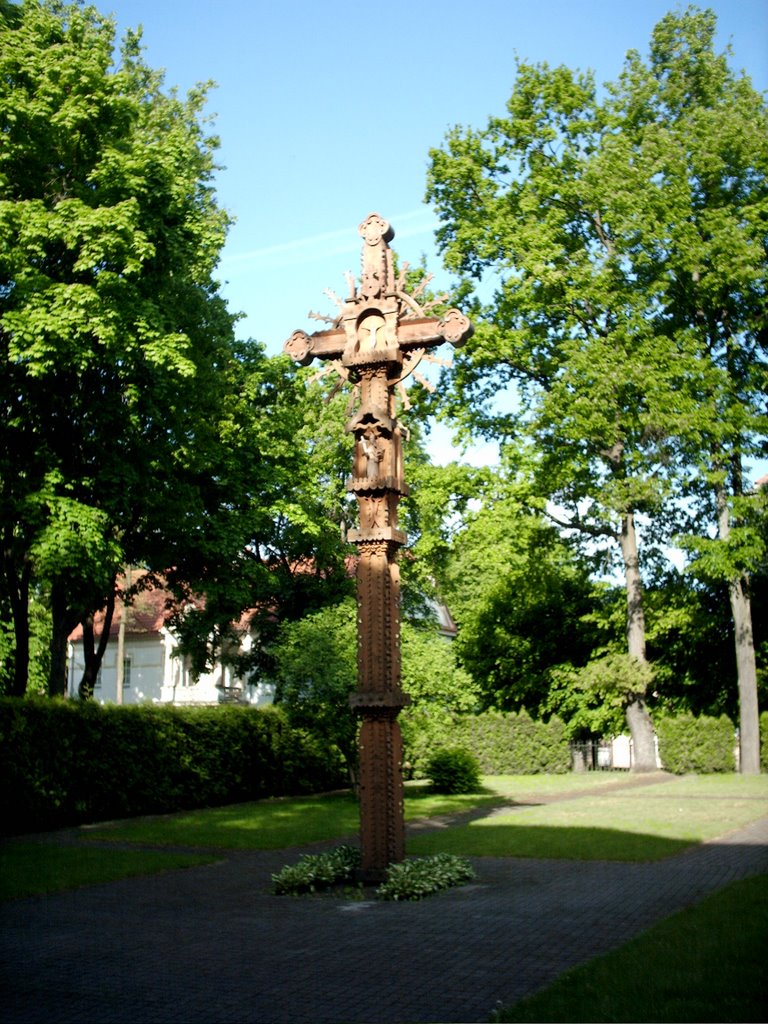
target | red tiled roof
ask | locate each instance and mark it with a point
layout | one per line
(148, 613)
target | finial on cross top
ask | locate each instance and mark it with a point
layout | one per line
(377, 275)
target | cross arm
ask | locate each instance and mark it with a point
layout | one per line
(426, 331)
(416, 332)
(303, 347)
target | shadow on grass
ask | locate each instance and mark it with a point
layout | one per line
(34, 868)
(483, 838)
(280, 823)
(262, 825)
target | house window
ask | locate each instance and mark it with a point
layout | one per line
(186, 671)
(126, 672)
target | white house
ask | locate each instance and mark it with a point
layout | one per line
(152, 671)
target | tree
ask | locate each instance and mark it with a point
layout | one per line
(706, 136)
(111, 326)
(316, 671)
(134, 430)
(273, 543)
(519, 596)
(565, 204)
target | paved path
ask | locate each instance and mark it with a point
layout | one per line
(212, 945)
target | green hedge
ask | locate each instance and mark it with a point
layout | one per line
(689, 744)
(764, 741)
(67, 762)
(504, 743)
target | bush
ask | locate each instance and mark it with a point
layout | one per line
(454, 770)
(504, 743)
(64, 762)
(764, 741)
(316, 871)
(422, 876)
(689, 744)
(410, 880)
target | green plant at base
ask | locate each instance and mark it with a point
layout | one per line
(410, 880)
(454, 770)
(415, 879)
(316, 871)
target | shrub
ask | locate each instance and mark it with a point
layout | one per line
(316, 871)
(64, 762)
(690, 744)
(414, 879)
(454, 770)
(764, 741)
(410, 880)
(425, 731)
(504, 743)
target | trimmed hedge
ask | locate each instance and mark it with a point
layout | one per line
(504, 743)
(703, 745)
(67, 762)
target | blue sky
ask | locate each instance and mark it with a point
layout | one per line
(327, 111)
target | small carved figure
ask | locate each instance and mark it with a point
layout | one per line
(373, 450)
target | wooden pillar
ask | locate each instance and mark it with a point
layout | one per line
(378, 339)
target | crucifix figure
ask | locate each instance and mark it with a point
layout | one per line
(379, 337)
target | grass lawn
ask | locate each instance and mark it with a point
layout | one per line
(705, 963)
(274, 824)
(647, 823)
(30, 868)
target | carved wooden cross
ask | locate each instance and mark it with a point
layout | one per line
(379, 337)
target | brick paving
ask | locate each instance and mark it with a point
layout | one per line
(212, 945)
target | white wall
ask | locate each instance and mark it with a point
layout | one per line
(154, 675)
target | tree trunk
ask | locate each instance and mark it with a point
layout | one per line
(17, 586)
(93, 654)
(638, 719)
(62, 625)
(746, 667)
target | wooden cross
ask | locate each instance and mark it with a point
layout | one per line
(379, 337)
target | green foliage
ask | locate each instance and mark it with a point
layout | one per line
(512, 744)
(422, 876)
(504, 743)
(134, 429)
(621, 234)
(594, 697)
(519, 595)
(764, 741)
(112, 331)
(690, 744)
(317, 871)
(409, 880)
(454, 770)
(316, 670)
(146, 759)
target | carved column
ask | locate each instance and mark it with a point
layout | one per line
(378, 339)
(377, 484)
